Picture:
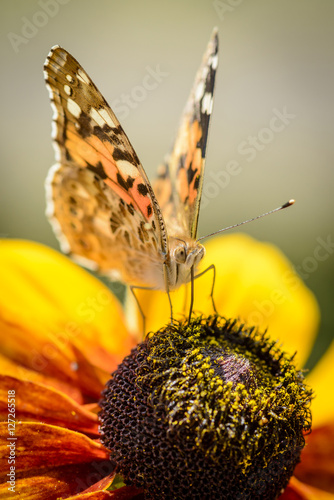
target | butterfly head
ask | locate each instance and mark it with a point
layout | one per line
(186, 252)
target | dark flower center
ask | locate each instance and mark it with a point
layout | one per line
(210, 410)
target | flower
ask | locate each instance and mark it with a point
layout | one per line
(63, 332)
(217, 407)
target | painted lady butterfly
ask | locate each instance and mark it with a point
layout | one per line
(101, 204)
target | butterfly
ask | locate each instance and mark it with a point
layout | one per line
(102, 206)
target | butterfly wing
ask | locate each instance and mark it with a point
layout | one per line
(180, 178)
(100, 201)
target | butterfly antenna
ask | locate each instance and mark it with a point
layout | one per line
(286, 205)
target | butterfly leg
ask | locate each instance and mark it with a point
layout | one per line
(132, 288)
(192, 278)
(213, 267)
(168, 293)
(185, 300)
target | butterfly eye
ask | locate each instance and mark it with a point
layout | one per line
(180, 255)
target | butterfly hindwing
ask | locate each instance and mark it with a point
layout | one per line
(180, 178)
(100, 200)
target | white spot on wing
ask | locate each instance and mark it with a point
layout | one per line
(205, 72)
(50, 209)
(199, 91)
(68, 89)
(48, 189)
(107, 118)
(207, 103)
(102, 117)
(127, 168)
(54, 130)
(80, 190)
(214, 61)
(113, 275)
(96, 117)
(70, 78)
(73, 108)
(83, 77)
(55, 110)
(102, 224)
(63, 241)
(57, 151)
(83, 261)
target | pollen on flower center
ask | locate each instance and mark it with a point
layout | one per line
(210, 410)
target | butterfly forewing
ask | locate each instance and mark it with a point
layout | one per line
(100, 200)
(180, 178)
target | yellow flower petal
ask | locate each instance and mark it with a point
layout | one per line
(254, 282)
(46, 298)
(321, 379)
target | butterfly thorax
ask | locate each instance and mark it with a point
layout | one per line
(184, 254)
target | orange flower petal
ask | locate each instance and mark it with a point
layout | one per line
(299, 491)
(321, 380)
(254, 282)
(91, 376)
(40, 445)
(292, 493)
(55, 483)
(120, 493)
(317, 460)
(35, 402)
(104, 484)
(12, 369)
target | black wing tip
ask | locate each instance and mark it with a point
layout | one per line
(57, 50)
(54, 49)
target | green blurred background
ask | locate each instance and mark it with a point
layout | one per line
(274, 56)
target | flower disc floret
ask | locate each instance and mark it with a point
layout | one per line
(206, 410)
